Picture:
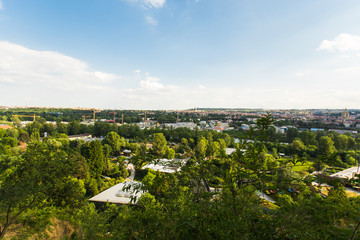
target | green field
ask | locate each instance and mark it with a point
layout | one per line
(299, 166)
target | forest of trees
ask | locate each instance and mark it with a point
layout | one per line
(46, 181)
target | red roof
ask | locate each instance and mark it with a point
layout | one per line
(5, 126)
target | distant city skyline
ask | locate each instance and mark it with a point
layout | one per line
(172, 54)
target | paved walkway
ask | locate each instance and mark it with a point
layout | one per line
(131, 167)
(347, 173)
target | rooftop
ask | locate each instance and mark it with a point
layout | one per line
(166, 165)
(5, 126)
(118, 194)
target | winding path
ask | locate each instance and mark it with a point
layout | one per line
(131, 167)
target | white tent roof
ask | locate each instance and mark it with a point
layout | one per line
(116, 194)
(166, 165)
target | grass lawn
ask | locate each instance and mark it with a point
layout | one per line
(325, 190)
(302, 167)
(299, 166)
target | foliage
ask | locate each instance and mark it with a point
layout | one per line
(214, 196)
(159, 146)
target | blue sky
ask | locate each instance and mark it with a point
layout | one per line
(178, 54)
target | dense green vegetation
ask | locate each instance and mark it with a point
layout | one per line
(48, 179)
(68, 115)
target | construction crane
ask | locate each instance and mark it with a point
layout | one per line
(143, 119)
(33, 116)
(84, 117)
(113, 121)
(95, 111)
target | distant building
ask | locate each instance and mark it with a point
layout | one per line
(166, 165)
(245, 127)
(340, 131)
(229, 151)
(189, 125)
(281, 130)
(5, 126)
(316, 129)
(345, 115)
(80, 136)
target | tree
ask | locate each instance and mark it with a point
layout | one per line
(61, 127)
(159, 145)
(35, 136)
(291, 134)
(96, 158)
(297, 146)
(16, 121)
(74, 128)
(213, 149)
(201, 147)
(10, 141)
(113, 140)
(222, 144)
(30, 179)
(2, 132)
(12, 132)
(326, 146)
(341, 142)
(122, 170)
(107, 151)
(228, 140)
(184, 146)
(170, 153)
(303, 159)
(274, 152)
(308, 137)
(24, 136)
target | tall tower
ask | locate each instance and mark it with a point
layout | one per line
(345, 115)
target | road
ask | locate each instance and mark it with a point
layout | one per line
(131, 167)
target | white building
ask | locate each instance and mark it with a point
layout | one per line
(166, 165)
(122, 193)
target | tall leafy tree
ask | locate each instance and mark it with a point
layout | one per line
(74, 128)
(326, 146)
(159, 146)
(297, 146)
(201, 148)
(96, 158)
(30, 179)
(115, 142)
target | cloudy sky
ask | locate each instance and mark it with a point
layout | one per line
(179, 54)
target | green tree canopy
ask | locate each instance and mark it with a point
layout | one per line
(159, 146)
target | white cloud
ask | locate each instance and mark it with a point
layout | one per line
(299, 74)
(346, 70)
(137, 71)
(21, 65)
(342, 43)
(150, 20)
(150, 3)
(1, 5)
(155, 3)
(177, 97)
(151, 83)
